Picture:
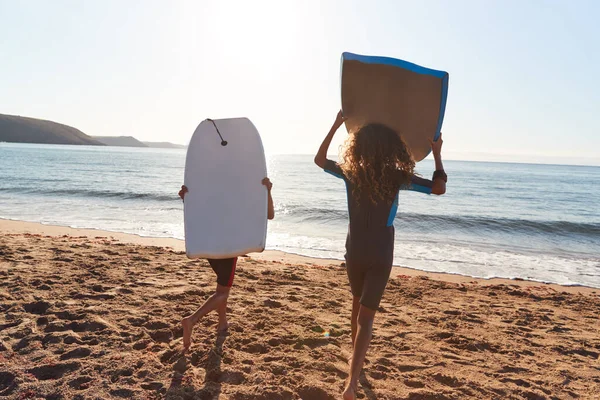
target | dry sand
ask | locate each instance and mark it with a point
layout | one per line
(95, 315)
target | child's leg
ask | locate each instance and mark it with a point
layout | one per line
(214, 302)
(225, 270)
(361, 344)
(225, 275)
(223, 325)
(373, 283)
(356, 277)
(354, 318)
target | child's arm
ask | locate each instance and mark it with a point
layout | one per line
(439, 176)
(270, 208)
(321, 157)
(183, 191)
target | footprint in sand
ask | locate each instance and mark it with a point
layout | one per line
(117, 374)
(37, 307)
(80, 383)
(7, 383)
(161, 335)
(313, 393)
(80, 352)
(409, 368)
(448, 380)
(313, 343)
(54, 371)
(69, 315)
(76, 326)
(272, 303)
(338, 369)
(255, 348)
(508, 369)
(124, 393)
(443, 335)
(137, 321)
(25, 342)
(169, 356)
(153, 386)
(232, 377)
(141, 344)
(156, 325)
(414, 383)
(54, 337)
(518, 382)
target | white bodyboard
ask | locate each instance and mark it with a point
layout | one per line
(225, 209)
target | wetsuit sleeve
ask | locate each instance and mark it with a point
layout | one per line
(334, 169)
(419, 184)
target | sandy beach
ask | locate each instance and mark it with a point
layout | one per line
(88, 314)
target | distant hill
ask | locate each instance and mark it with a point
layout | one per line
(122, 141)
(164, 145)
(30, 130)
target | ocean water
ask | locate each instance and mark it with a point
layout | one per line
(538, 222)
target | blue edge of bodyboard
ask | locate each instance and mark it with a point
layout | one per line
(411, 67)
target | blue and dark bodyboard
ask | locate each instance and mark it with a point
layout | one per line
(408, 98)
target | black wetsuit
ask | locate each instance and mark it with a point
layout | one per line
(370, 241)
(225, 270)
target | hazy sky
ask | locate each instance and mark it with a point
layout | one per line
(524, 75)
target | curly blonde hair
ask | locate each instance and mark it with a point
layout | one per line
(377, 161)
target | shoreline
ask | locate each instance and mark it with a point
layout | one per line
(23, 227)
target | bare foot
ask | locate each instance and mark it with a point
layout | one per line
(187, 325)
(350, 392)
